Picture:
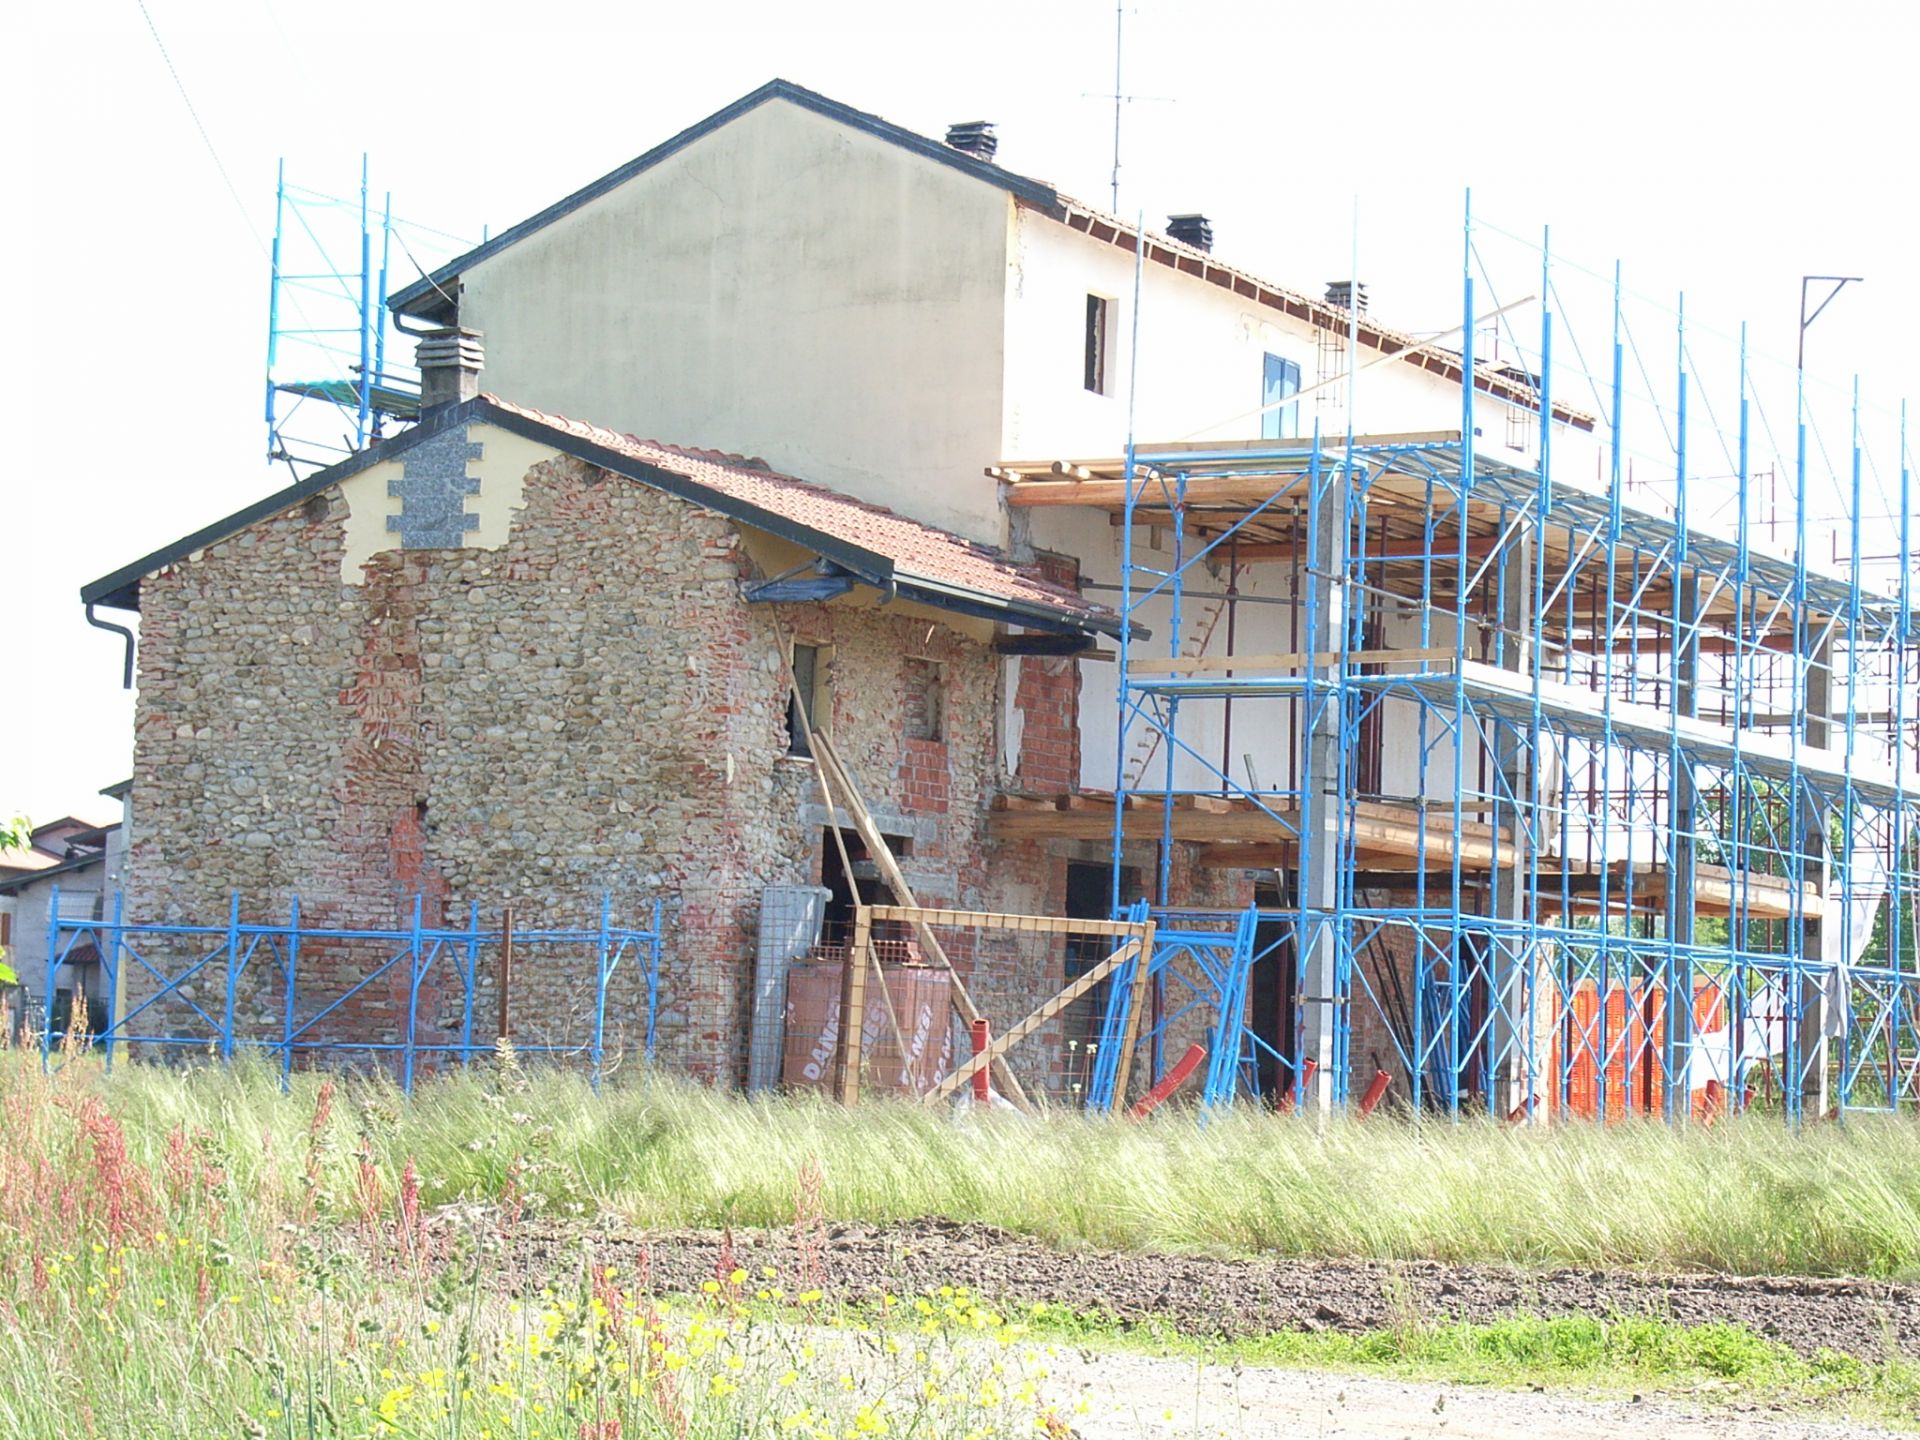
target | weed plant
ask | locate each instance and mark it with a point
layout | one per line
(1747, 1196)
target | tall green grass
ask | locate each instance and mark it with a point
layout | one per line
(1746, 1197)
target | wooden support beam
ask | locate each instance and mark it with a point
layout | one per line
(993, 920)
(1005, 1042)
(1396, 551)
(1297, 660)
(1378, 829)
(853, 1009)
(1136, 1008)
(1247, 491)
(882, 854)
(1662, 644)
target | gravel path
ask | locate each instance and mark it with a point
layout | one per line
(1141, 1398)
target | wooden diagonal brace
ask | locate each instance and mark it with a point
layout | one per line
(882, 854)
(1003, 1043)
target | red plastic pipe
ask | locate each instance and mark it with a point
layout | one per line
(982, 1090)
(1376, 1092)
(1307, 1069)
(1175, 1077)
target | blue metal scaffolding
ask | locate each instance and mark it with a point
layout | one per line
(1586, 796)
(241, 985)
(332, 385)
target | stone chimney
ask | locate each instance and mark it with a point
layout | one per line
(450, 362)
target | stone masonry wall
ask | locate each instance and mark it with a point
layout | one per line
(592, 708)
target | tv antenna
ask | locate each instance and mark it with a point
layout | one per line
(1119, 96)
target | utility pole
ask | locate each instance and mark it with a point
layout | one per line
(1816, 731)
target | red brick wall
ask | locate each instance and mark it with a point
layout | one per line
(1047, 701)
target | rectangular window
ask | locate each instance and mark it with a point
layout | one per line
(1099, 317)
(810, 664)
(1280, 382)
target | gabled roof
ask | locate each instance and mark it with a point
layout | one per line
(13, 884)
(434, 298)
(858, 541)
(430, 298)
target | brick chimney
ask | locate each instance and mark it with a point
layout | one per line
(450, 362)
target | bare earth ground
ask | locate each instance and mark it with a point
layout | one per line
(1237, 1298)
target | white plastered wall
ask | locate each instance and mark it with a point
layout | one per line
(785, 287)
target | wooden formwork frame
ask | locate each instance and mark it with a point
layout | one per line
(1136, 943)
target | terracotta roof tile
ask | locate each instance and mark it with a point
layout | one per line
(918, 551)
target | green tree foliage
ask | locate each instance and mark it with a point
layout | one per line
(15, 834)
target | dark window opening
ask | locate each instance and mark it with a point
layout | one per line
(1099, 314)
(806, 689)
(848, 891)
(1089, 897)
(1281, 381)
(1275, 1007)
(921, 715)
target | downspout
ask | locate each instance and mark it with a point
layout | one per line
(126, 676)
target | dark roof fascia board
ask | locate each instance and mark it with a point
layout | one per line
(426, 298)
(1007, 612)
(121, 589)
(13, 884)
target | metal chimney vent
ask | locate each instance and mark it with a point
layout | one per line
(1348, 295)
(1194, 230)
(975, 138)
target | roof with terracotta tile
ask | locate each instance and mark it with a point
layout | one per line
(866, 542)
(918, 552)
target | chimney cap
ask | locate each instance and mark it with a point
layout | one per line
(1348, 295)
(450, 361)
(1191, 229)
(974, 137)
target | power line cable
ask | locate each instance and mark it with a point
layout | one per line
(200, 126)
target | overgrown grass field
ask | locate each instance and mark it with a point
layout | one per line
(195, 1253)
(1745, 1197)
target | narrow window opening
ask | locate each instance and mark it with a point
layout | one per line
(923, 714)
(1099, 313)
(806, 691)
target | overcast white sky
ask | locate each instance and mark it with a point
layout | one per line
(1724, 148)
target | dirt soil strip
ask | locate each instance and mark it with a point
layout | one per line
(1234, 1298)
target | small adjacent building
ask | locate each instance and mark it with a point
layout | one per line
(78, 866)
